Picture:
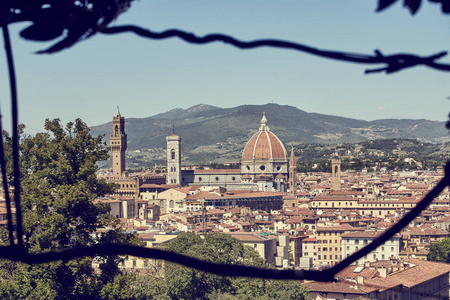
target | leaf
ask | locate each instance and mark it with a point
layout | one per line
(5, 11)
(412, 5)
(445, 5)
(41, 32)
(383, 4)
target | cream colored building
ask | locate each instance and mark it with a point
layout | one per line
(172, 200)
(354, 241)
(328, 240)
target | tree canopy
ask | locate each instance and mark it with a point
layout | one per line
(59, 188)
(186, 283)
(440, 251)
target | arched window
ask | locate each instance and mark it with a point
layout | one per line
(172, 153)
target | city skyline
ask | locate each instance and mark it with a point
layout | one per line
(146, 77)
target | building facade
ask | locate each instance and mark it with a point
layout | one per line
(264, 165)
(354, 241)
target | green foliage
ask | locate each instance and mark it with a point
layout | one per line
(186, 283)
(59, 186)
(150, 287)
(440, 251)
(388, 153)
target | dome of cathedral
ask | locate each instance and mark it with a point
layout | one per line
(264, 145)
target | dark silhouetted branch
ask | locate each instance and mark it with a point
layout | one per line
(223, 269)
(393, 63)
(15, 136)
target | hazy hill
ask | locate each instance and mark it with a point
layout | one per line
(213, 132)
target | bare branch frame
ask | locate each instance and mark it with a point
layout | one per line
(17, 252)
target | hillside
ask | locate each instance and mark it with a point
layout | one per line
(219, 134)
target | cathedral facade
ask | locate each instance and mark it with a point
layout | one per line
(264, 165)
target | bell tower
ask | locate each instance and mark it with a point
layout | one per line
(336, 175)
(173, 159)
(118, 143)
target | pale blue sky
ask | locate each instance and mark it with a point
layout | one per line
(146, 77)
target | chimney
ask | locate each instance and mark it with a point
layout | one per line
(360, 280)
(383, 272)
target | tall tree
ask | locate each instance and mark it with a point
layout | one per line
(59, 188)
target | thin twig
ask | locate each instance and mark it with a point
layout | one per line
(393, 63)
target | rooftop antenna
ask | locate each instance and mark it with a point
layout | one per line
(173, 128)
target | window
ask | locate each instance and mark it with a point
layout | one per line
(356, 241)
(172, 154)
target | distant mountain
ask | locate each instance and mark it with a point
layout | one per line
(178, 113)
(210, 132)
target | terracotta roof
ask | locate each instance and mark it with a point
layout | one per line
(150, 185)
(420, 271)
(247, 236)
(264, 145)
(339, 287)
